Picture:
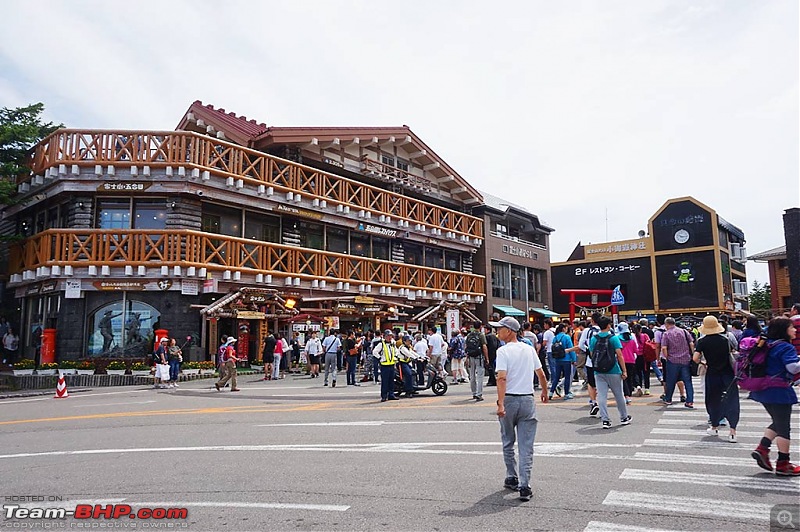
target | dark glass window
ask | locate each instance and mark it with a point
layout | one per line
(387, 160)
(262, 227)
(149, 214)
(337, 240)
(114, 214)
(500, 280)
(434, 258)
(359, 245)
(452, 261)
(311, 235)
(222, 220)
(413, 254)
(402, 164)
(380, 248)
(52, 218)
(518, 282)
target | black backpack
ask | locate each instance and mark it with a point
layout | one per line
(558, 351)
(603, 357)
(473, 344)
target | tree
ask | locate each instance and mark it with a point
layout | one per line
(760, 297)
(20, 129)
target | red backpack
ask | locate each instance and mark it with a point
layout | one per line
(650, 350)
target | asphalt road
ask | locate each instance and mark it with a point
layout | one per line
(293, 455)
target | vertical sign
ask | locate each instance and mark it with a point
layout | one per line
(73, 289)
(453, 322)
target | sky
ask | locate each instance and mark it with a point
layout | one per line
(580, 111)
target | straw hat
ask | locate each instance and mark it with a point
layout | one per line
(711, 326)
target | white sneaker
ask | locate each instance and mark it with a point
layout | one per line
(712, 431)
(176, 385)
(732, 438)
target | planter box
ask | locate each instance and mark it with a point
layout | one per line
(46, 371)
(115, 371)
(191, 371)
(23, 372)
(207, 371)
(85, 371)
(257, 368)
(68, 371)
(141, 372)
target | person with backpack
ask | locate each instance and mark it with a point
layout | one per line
(492, 343)
(478, 353)
(713, 351)
(609, 371)
(783, 365)
(584, 345)
(677, 347)
(563, 353)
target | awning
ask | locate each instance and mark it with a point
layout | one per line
(546, 313)
(509, 311)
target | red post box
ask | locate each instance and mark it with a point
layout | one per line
(48, 351)
(160, 333)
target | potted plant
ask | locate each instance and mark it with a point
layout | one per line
(141, 370)
(24, 367)
(48, 368)
(191, 368)
(85, 367)
(67, 367)
(257, 364)
(207, 367)
(116, 367)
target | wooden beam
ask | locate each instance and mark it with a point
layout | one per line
(354, 142)
(417, 154)
(389, 141)
(447, 179)
(335, 143)
(406, 140)
(432, 166)
(458, 190)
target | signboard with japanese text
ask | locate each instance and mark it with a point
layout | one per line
(123, 187)
(189, 287)
(453, 317)
(73, 289)
(632, 275)
(637, 247)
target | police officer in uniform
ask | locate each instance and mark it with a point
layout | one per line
(386, 353)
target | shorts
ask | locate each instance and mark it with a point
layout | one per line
(269, 359)
(590, 376)
(313, 360)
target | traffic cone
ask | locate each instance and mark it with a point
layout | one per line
(61, 388)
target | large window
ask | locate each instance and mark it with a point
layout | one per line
(311, 235)
(262, 227)
(518, 282)
(148, 214)
(434, 258)
(359, 244)
(380, 248)
(413, 254)
(337, 240)
(122, 328)
(452, 261)
(114, 214)
(535, 283)
(500, 281)
(222, 220)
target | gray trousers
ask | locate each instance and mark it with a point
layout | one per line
(613, 381)
(330, 365)
(519, 423)
(476, 372)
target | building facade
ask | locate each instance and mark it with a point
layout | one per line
(227, 226)
(689, 261)
(515, 260)
(780, 291)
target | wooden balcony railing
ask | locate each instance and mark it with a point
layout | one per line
(185, 248)
(223, 159)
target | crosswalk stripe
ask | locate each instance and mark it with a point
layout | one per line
(670, 421)
(601, 526)
(718, 508)
(709, 444)
(691, 459)
(704, 414)
(678, 407)
(702, 432)
(703, 479)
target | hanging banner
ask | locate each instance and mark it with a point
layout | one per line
(453, 322)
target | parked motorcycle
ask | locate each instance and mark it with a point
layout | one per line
(433, 381)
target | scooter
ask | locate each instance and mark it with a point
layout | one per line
(434, 381)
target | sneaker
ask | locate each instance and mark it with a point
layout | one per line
(783, 468)
(525, 493)
(690, 406)
(551, 397)
(627, 400)
(626, 421)
(478, 399)
(606, 424)
(663, 397)
(761, 456)
(216, 385)
(594, 410)
(176, 385)
(569, 396)
(559, 390)
(723, 422)
(235, 390)
(647, 392)
(585, 386)
(711, 431)
(394, 398)
(683, 399)
(511, 483)
(638, 392)
(732, 438)
(325, 384)
(666, 403)
(333, 384)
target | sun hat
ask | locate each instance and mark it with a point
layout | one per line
(711, 326)
(622, 327)
(508, 322)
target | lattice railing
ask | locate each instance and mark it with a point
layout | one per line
(155, 248)
(223, 159)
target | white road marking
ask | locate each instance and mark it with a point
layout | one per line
(373, 423)
(689, 506)
(601, 526)
(74, 396)
(114, 404)
(720, 443)
(258, 505)
(771, 483)
(704, 414)
(691, 459)
(702, 432)
(686, 422)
